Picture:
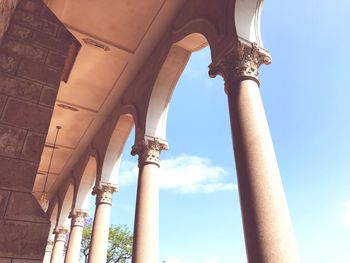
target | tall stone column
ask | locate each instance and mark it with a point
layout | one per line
(48, 251)
(100, 230)
(146, 226)
(75, 237)
(267, 227)
(60, 240)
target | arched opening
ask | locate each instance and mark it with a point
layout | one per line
(162, 90)
(86, 184)
(168, 76)
(195, 179)
(114, 150)
(53, 221)
(193, 171)
(247, 20)
(63, 219)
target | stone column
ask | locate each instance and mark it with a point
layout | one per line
(267, 227)
(60, 240)
(146, 226)
(100, 230)
(75, 237)
(48, 251)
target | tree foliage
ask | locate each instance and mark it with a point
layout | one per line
(119, 244)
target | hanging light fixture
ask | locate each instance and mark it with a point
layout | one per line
(43, 200)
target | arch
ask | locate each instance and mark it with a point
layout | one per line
(223, 24)
(53, 220)
(172, 68)
(193, 42)
(198, 26)
(247, 20)
(86, 183)
(201, 25)
(111, 162)
(63, 220)
(214, 21)
(130, 109)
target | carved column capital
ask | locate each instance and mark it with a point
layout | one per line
(61, 234)
(78, 217)
(149, 150)
(104, 193)
(241, 63)
(49, 246)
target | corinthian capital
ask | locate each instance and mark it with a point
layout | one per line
(241, 63)
(149, 150)
(61, 234)
(49, 246)
(104, 193)
(78, 217)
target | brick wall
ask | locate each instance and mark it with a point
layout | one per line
(36, 52)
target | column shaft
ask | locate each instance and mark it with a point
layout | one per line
(100, 230)
(146, 227)
(48, 251)
(267, 227)
(75, 237)
(60, 240)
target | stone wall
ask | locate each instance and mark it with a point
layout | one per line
(6, 10)
(36, 53)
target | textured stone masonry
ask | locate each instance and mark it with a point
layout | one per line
(33, 61)
(16, 174)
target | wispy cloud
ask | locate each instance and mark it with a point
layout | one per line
(186, 174)
(127, 173)
(192, 174)
(212, 260)
(345, 220)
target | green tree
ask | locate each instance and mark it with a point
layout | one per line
(119, 243)
(85, 242)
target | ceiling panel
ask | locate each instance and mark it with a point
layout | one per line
(93, 76)
(40, 181)
(122, 23)
(60, 157)
(74, 125)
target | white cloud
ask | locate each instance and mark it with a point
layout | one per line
(183, 174)
(212, 260)
(192, 174)
(345, 221)
(127, 173)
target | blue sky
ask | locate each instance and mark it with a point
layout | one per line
(306, 96)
